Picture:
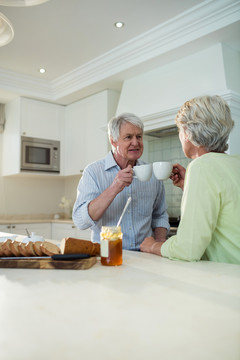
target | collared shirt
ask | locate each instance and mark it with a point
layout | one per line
(146, 211)
(209, 227)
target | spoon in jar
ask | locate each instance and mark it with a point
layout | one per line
(125, 208)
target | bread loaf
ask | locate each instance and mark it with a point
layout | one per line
(79, 246)
(49, 248)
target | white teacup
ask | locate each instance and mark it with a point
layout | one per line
(143, 172)
(162, 169)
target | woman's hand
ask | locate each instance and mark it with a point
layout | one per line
(178, 175)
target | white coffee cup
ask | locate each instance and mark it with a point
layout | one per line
(162, 169)
(143, 172)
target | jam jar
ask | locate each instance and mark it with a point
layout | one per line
(111, 245)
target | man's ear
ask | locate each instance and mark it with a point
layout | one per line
(113, 143)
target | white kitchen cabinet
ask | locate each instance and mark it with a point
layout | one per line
(60, 231)
(26, 117)
(83, 234)
(41, 119)
(7, 228)
(41, 229)
(86, 130)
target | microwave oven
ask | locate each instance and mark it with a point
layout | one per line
(40, 154)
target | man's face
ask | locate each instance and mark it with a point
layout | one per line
(129, 145)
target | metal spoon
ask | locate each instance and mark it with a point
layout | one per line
(125, 208)
(28, 234)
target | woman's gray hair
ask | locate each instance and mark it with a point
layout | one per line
(115, 123)
(206, 121)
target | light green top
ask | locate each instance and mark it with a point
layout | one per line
(210, 212)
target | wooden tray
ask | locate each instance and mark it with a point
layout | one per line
(47, 263)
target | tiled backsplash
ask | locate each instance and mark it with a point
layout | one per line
(168, 148)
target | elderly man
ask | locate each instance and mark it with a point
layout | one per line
(106, 185)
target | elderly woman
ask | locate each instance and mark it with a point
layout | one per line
(210, 210)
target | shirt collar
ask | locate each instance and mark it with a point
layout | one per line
(110, 161)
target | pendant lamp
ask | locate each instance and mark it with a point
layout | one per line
(6, 30)
(21, 2)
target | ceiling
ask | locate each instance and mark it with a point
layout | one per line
(83, 53)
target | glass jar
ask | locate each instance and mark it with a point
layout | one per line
(111, 245)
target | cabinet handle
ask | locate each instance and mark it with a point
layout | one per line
(13, 226)
(24, 133)
(8, 226)
(73, 227)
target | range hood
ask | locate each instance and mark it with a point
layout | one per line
(173, 130)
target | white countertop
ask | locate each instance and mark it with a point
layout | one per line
(148, 308)
(35, 221)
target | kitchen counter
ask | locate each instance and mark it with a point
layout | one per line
(34, 221)
(148, 308)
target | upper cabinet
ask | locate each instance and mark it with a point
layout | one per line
(42, 120)
(31, 118)
(86, 137)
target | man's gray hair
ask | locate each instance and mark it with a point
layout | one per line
(115, 123)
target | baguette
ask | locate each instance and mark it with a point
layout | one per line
(1, 250)
(37, 248)
(79, 246)
(22, 249)
(29, 249)
(14, 248)
(6, 248)
(49, 248)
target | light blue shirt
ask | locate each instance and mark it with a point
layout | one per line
(146, 211)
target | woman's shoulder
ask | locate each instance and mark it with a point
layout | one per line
(215, 162)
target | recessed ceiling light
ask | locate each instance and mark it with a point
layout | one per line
(42, 71)
(119, 24)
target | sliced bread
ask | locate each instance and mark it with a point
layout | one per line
(49, 249)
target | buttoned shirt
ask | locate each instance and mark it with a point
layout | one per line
(147, 209)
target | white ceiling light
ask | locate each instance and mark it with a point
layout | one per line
(6, 30)
(21, 2)
(42, 71)
(119, 24)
